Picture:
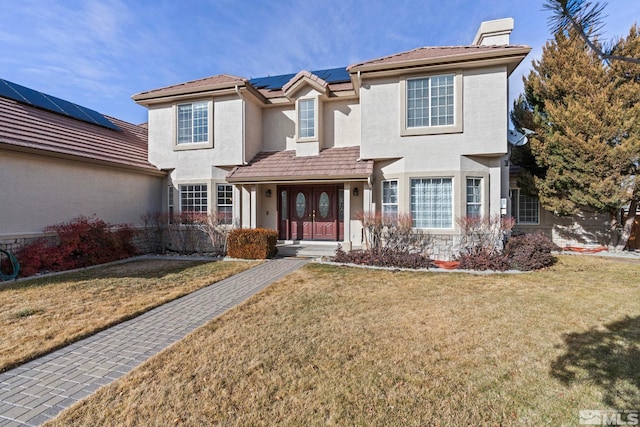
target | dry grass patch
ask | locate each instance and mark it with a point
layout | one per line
(43, 314)
(342, 346)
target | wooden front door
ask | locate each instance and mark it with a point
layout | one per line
(324, 213)
(300, 208)
(309, 213)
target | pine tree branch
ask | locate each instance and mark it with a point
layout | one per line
(576, 14)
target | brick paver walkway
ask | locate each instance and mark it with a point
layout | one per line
(38, 390)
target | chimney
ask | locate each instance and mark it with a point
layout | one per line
(494, 32)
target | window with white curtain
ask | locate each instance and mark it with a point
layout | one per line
(432, 202)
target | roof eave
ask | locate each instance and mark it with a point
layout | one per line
(295, 178)
(512, 54)
(145, 98)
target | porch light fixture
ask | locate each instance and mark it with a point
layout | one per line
(268, 193)
(355, 192)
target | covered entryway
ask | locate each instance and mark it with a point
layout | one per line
(308, 199)
(313, 212)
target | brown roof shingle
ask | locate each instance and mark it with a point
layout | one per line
(331, 163)
(32, 128)
(436, 52)
(220, 79)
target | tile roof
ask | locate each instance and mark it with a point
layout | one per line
(436, 52)
(331, 163)
(220, 79)
(28, 127)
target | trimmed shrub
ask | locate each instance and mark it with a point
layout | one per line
(79, 243)
(383, 258)
(482, 258)
(530, 251)
(252, 243)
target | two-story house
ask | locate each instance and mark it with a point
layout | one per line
(422, 132)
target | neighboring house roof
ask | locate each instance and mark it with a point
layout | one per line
(331, 163)
(26, 128)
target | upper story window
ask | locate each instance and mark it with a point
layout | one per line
(306, 118)
(432, 104)
(193, 123)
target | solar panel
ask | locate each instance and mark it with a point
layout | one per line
(330, 75)
(56, 105)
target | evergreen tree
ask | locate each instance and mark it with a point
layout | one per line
(586, 115)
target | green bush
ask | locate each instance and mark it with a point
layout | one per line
(252, 243)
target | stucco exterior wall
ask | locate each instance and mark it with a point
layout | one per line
(227, 131)
(39, 191)
(341, 123)
(484, 122)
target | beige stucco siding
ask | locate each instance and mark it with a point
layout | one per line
(484, 122)
(227, 132)
(341, 123)
(278, 128)
(39, 191)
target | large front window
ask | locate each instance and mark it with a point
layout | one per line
(390, 198)
(430, 101)
(432, 202)
(193, 123)
(193, 198)
(525, 209)
(306, 118)
(224, 204)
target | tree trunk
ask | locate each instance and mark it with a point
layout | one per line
(628, 225)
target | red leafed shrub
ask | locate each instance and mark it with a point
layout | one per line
(79, 243)
(530, 251)
(252, 243)
(383, 258)
(482, 258)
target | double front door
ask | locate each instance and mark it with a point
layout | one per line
(310, 212)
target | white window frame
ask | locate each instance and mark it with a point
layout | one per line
(300, 104)
(447, 222)
(516, 196)
(455, 127)
(200, 196)
(205, 139)
(227, 205)
(475, 201)
(387, 204)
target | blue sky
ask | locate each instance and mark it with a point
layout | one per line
(99, 53)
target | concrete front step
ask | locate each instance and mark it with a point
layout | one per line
(306, 249)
